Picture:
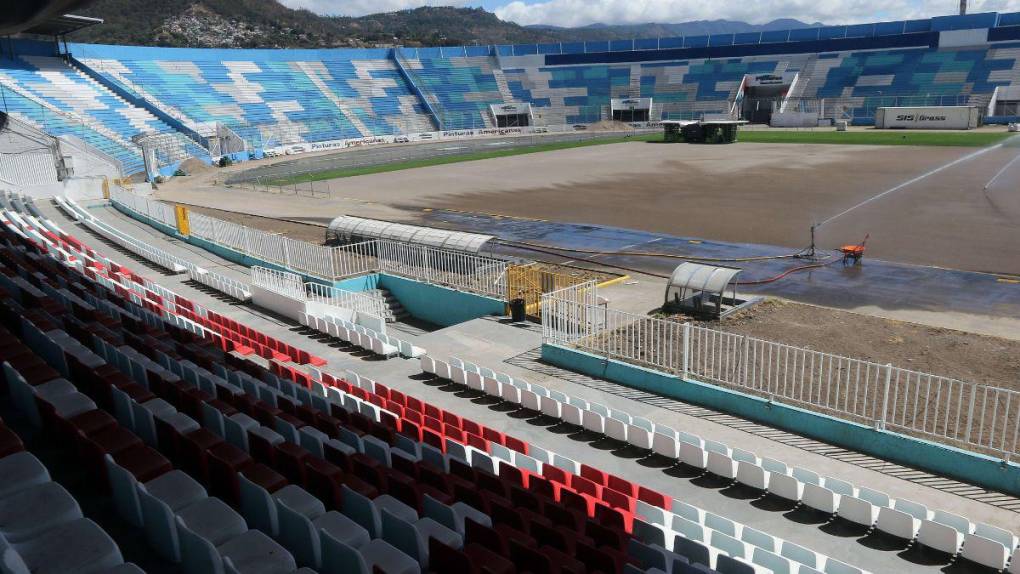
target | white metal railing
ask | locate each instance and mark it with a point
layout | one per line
(336, 297)
(282, 282)
(155, 210)
(455, 269)
(355, 259)
(940, 408)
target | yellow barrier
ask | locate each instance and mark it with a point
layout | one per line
(530, 282)
(183, 224)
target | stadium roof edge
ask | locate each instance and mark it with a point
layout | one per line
(63, 25)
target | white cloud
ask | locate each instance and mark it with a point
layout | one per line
(583, 12)
(363, 7)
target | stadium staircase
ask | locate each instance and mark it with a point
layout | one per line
(500, 77)
(635, 82)
(312, 72)
(394, 311)
(409, 75)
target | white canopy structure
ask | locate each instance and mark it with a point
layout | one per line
(350, 229)
(697, 285)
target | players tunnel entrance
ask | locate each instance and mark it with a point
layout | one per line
(764, 94)
(631, 109)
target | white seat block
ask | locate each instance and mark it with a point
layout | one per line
(721, 465)
(985, 551)
(897, 523)
(786, 487)
(692, 455)
(616, 429)
(571, 414)
(858, 511)
(820, 498)
(940, 537)
(550, 407)
(752, 475)
(665, 446)
(594, 422)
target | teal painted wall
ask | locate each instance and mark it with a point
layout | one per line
(358, 284)
(439, 305)
(941, 459)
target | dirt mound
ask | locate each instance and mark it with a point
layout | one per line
(194, 166)
(609, 126)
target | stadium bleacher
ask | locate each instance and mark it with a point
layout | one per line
(284, 96)
(48, 93)
(108, 94)
(461, 89)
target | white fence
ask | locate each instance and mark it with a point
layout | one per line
(347, 299)
(454, 269)
(289, 284)
(944, 409)
(161, 212)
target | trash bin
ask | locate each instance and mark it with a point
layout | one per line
(517, 310)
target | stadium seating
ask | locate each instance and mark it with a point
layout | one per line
(360, 336)
(330, 439)
(106, 95)
(460, 89)
(63, 101)
(271, 98)
(988, 545)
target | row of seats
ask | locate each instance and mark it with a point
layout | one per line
(182, 521)
(231, 334)
(462, 89)
(199, 520)
(328, 99)
(232, 287)
(943, 531)
(710, 559)
(360, 336)
(155, 255)
(37, 515)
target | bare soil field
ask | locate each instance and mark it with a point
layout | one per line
(746, 192)
(301, 231)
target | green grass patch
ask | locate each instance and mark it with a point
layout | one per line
(472, 156)
(875, 137)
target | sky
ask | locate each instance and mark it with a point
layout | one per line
(584, 12)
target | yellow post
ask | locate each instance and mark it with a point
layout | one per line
(183, 225)
(106, 188)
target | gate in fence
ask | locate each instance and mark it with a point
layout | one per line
(530, 281)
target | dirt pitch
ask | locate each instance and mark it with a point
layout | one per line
(746, 192)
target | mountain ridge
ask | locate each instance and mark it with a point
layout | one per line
(269, 24)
